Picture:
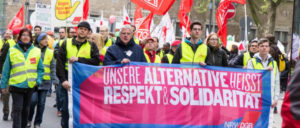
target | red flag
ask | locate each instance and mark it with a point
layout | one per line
(18, 20)
(138, 16)
(143, 31)
(85, 10)
(186, 5)
(184, 21)
(221, 17)
(241, 47)
(159, 7)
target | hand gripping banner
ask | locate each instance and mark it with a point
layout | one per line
(142, 95)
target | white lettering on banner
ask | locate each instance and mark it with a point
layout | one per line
(186, 86)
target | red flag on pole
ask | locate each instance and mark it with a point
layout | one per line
(221, 17)
(138, 16)
(18, 20)
(186, 5)
(159, 7)
(85, 10)
(143, 31)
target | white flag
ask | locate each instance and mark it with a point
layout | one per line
(280, 46)
(295, 47)
(101, 19)
(126, 19)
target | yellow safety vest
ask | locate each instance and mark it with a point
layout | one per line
(103, 52)
(246, 58)
(47, 62)
(84, 51)
(170, 57)
(108, 43)
(61, 42)
(188, 55)
(161, 53)
(157, 58)
(136, 40)
(21, 69)
(1, 43)
(258, 65)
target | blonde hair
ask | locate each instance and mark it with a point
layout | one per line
(99, 41)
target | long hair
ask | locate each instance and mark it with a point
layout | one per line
(23, 30)
(208, 38)
(99, 41)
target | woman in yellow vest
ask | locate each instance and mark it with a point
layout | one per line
(99, 41)
(23, 70)
(39, 97)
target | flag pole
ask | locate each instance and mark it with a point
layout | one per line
(182, 39)
(246, 27)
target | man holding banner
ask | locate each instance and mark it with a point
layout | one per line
(193, 50)
(124, 50)
(263, 60)
(77, 49)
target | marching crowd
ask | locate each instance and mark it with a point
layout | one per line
(31, 64)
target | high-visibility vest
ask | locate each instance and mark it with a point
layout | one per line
(170, 57)
(157, 58)
(103, 52)
(246, 58)
(24, 69)
(108, 43)
(161, 53)
(83, 52)
(60, 42)
(1, 43)
(47, 62)
(188, 55)
(258, 65)
(136, 40)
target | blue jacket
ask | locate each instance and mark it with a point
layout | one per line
(7, 68)
(118, 51)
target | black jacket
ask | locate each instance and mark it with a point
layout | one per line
(165, 58)
(239, 61)
(218, 57)
(118, 51)
(3, 54)
(61, 73)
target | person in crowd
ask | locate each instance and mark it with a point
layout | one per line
(99, 41)
(71, 32)
(290, 106)
(124, 50)
(104, 32)
(234, 52)
(136, 40)
(218, 55)
(62, 37)
(38, 98)
(242, 60)
(164, 50)
(263, 60)
(150, 52)
(36, 31)
(169, 56)
(112, 36)
(23, 71)
(193, 50)
(77, 49)
(8, 43)
(6, 37)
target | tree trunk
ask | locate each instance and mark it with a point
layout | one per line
(272, 17)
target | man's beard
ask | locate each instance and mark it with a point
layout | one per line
(80, 37)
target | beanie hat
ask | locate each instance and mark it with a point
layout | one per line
(40, 37)
(84, 24)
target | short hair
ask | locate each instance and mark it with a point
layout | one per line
(37, 26)
(156, 38)
(263, 40)
(126, 27)
(195, 23)
(68, 30)
(62, 28)
(23, 30)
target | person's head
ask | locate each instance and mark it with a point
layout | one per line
(263, 46)
(166, 46)
(150, 46)
(104, 31)
(71, 32)
(196, 30)
(234, 48)
(212, 40)
(25, 36)
(98, 40)
(84, 29)
(271, 38)
(156, 42)
(126, 34)
(253, 46)
(42, 40)
(7, 34)
(133, 28)
(175, 44)
(16, 33)
(37, 30)
(62, 33)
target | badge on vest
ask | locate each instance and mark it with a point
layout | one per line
(32, 60)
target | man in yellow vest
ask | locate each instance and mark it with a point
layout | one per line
(263, 60)
(6, 36)
(193, 50)
(104, 32)
(169, 57)
(150, 53)
(242, 60)
(77, 49)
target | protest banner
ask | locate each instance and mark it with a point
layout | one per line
(43, 17)
(147, 95)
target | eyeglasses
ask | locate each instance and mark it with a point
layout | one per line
(123, 33)
(196, 29)
(214, 39)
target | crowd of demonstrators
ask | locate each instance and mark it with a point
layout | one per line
(50, 67)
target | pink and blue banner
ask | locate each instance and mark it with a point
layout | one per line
(143, 95)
